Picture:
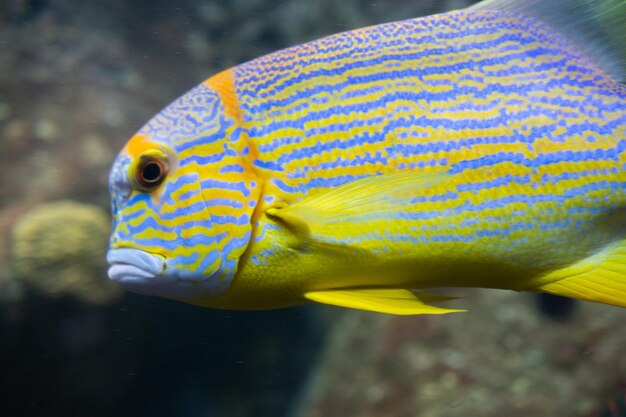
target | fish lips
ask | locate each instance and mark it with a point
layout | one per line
(140, 271)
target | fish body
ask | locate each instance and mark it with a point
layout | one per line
(476, 148)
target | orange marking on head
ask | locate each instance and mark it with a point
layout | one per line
(224, 85)
(137, 145)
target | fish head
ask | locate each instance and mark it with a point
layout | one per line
(183, 195)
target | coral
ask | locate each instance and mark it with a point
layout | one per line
(59, 248)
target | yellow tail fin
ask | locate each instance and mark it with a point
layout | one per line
(601, 278)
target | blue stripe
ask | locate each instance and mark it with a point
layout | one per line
(368, 63)
(411, 121)
(226, 185)
(224, 202)
(194, 208)
(244, 219)
(231, 168)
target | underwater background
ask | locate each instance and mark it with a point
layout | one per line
(77, 79)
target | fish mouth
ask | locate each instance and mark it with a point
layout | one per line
(136, 270)
(148, 274)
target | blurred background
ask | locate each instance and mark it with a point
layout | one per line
(76, 80)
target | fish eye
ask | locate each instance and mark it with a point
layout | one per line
(150, 172)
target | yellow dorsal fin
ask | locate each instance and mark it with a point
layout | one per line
(601, 278)
(386, 300)
(364, 199)
(596, 27)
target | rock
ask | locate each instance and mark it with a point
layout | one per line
(502, 358)
(59, 249)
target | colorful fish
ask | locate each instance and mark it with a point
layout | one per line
(483, 147)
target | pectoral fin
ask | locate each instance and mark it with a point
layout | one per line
(352, 204)
(601, 278)
(390, 301)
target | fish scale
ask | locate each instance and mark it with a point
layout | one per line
(511, 140)
(537, 133)
(416, 123)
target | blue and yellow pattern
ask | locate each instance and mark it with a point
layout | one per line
(474, 148)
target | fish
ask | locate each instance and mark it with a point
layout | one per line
(483, 147)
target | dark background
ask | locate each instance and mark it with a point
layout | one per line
(76, 80)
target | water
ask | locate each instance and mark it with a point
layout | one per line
(76, 81)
